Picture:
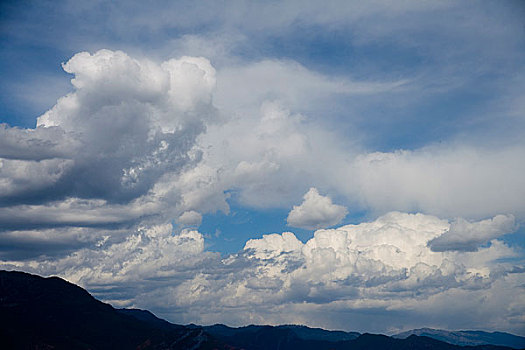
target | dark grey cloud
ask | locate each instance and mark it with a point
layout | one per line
(77, 213)
(35, 144)
(50, 243)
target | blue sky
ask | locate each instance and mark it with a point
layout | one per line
(157, 153)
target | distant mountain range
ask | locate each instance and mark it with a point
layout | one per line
(50, 313)
(468, 337)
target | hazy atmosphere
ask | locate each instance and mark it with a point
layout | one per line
(339, 164)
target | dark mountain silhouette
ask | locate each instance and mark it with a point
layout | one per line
(50, 313)
(468, 337)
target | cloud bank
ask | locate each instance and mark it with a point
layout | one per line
(449, 181)
(361, 277)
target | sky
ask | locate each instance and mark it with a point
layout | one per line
(339, 164)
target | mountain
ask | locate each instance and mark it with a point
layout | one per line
(468, 337)
(50, 313)
(39, 313)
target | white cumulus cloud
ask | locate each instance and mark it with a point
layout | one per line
(316, 211)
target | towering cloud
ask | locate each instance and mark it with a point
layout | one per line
(134, 121)
(96, 156)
